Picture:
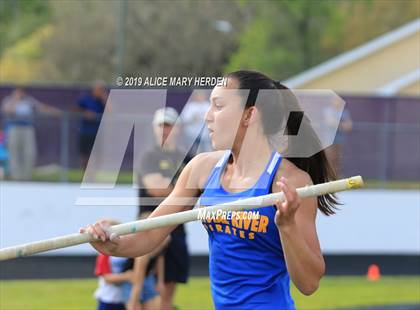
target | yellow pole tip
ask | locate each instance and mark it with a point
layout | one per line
(355, 182)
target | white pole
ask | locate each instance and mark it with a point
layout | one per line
(178, 218)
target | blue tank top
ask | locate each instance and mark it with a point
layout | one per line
(246, 262)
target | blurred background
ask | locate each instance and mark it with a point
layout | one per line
(57, 56)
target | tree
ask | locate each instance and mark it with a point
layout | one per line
(76, 41)
(162, 38)
(367, 19)
(284, 37)
(19, 18)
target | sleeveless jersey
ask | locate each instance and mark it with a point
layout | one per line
(246, 262)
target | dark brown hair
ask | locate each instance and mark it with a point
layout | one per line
(273, 109)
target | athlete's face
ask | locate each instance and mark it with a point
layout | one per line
(224, 115)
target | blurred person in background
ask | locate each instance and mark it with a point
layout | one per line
(20, 111)
(157, 166)
(331, 113)
(193, 122)
(91, 106)
(111, 275)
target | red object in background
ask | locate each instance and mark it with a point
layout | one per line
(373, 273)
(1, 137)
(102, 265)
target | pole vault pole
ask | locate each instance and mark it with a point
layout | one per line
(178, 218)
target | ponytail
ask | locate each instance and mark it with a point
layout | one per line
(317, 165)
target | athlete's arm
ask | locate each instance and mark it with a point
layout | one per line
(295, 219)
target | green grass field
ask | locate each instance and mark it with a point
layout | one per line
(334, 292)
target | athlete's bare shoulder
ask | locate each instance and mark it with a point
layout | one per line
(294, 174)
(203, 163)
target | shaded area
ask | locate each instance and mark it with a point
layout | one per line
(57, 267)
(71, 267)
(387, 307)
(358, 264)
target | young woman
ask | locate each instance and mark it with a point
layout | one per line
(251, 262)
